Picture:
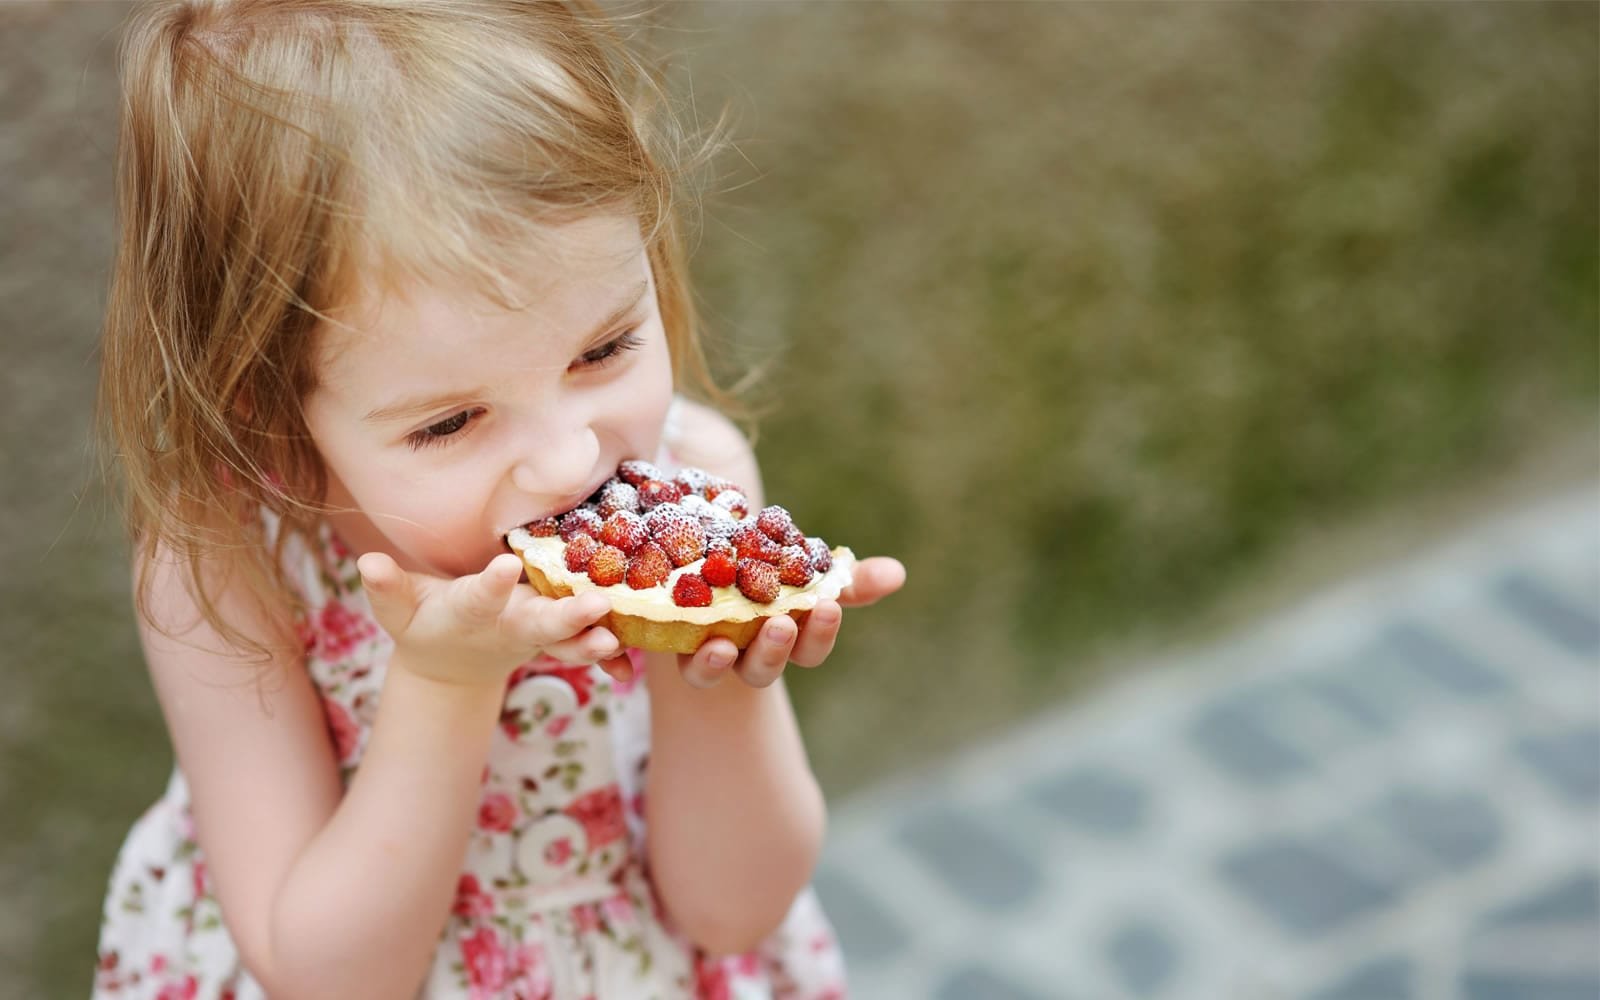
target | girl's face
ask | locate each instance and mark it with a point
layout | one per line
(445, 422)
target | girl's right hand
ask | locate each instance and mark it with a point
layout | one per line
(479, 628)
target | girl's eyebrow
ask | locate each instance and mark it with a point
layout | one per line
(418, 406)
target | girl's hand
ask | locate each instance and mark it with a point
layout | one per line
(781, 642)
(479, 628)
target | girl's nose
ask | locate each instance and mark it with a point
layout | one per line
(557, 465)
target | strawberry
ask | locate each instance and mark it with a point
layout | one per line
(758, 580)
(794, 566)
(617, 495)
(635, 471)
(750, 542)
(649, 567)
(655, 492)
(779, 526)
(625, 530)
(720, 568)
(582, 521)
(821, 558)
(545, 527)
(693, 481)
(663, 512)
(691, 592)
(716, 485)
(683, 539)
(720, 527)
(715, 544)
(580, 549)
(608, 565)
(732, 501)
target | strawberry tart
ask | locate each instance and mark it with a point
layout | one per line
(682, 558)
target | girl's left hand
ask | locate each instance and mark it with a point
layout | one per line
(781, 642)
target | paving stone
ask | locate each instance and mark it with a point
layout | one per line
(1562, 621)
(1388, 978)
(1305, 888)
(866, 928)
(971, 858)
(1529, 986)
(1145, 957)
(974, 982)
(1428, 654)
(1568, 760)
(1574, 899)
(1457, 829)
(1234, 733)
(1096, 799)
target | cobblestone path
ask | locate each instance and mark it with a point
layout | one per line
(1391, 792)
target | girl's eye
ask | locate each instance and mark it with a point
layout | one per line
(609, 351)
(435, 434)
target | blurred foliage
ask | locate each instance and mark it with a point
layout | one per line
(1083, 310)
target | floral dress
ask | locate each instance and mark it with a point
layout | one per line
(553, 901)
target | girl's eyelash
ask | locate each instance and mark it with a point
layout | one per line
(610, 350)
(442, 432)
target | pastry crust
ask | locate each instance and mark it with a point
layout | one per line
(649, 620)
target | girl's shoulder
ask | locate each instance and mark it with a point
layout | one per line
(698, 435)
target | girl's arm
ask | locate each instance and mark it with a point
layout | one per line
(734, 814)
(330, 895)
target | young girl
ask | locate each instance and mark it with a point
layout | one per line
(394, 278)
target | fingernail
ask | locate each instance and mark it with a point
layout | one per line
(776, 635)
(720, 661)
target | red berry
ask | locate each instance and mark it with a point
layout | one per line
(683, 539)
(821, 558)
(715, 544)
(580, 549)
(750, 542)
(693, 481)
(608, 565)
(720, 527)
(617, 495)
(758, 580)
(732, 501)
(691, 591)
(655, 492)
(720, 569)
(649, 567)
(794, 566)
(719, 485)
(545, 527)
(625, 530)
(582, 521)
(776, 522)
(635, 471)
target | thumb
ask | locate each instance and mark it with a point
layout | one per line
(390, 591)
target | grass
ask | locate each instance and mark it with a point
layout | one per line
(1086, 311)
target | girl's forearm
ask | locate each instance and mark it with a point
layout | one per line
(361, 911)
(734, 814)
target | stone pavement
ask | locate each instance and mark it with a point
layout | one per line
(1391, 792)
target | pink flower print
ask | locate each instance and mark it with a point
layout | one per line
(199, 880)
(558, 852)
(600, 812)
(471, 902)
(748, 964)
(538, 665)
(486, 963)
(581, 679)
(188, 989)
(340, 630)
(342, 730)
(711, 980)
(636, 658)
(618, 909)
(497, 813)
(530, 975)
(586, 917)
(555, 727)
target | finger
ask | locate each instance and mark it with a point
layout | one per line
(390, 591)
(764, 659)
(594, 645)
(818, 635)
(874, 579)
(620, 667)
(544, 622)
(488, 592)
(709, 664)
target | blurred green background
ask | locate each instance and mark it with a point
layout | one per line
(1114, 322)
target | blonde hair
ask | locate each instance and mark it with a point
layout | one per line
(271, 149)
